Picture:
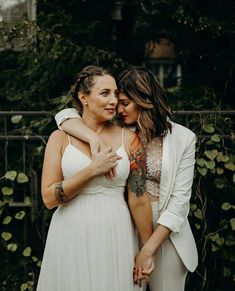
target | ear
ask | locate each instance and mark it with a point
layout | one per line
(83, 98)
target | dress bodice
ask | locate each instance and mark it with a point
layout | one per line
(74, 160)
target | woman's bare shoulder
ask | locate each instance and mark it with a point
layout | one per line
(57, 138)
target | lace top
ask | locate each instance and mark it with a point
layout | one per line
(154, 166)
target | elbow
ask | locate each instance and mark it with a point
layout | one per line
(138, 203)
(47, 201)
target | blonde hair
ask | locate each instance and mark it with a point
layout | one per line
(84, 82)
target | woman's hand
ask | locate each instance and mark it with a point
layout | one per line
(97, 145)
(104, 161)
(144, 266)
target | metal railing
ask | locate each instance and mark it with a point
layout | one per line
(24, 139)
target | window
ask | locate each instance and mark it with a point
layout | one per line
(11, 12)
(167, 70)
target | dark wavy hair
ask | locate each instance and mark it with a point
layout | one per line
(142, 86)
(84, 82)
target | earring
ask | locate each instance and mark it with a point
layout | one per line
(85, 103)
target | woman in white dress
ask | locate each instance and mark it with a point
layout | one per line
(170, 150)
(91, 242)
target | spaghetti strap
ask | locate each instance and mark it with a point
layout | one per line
(69, 139)
(122, 136)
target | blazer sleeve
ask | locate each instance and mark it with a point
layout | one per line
(65, 114)
(178, 205)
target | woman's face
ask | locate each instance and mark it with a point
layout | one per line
(102, 100)
(128, 109)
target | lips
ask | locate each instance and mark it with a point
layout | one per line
(110, 110)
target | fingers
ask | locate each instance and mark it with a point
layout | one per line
(94, 150)
(107, 149)
(111, 174)
(148, 271)
(138, 276)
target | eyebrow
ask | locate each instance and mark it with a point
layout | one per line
(124, 99)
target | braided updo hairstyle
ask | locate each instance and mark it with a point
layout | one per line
(84, 82)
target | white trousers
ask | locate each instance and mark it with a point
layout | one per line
(170, 272)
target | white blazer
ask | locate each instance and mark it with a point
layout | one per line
(178, 160)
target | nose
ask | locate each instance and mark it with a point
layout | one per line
(113, 99)
(120, 108)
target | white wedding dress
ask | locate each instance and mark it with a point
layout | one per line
(91, 242)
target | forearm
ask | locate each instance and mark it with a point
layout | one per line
(65, 190)
(142, 215)
(160, 234)
(77, 128)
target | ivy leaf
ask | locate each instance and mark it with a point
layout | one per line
(220, 241)
(197, 226)
(198, 214)
(219, 171)
(214, 247)
(34, 259)
(27, 252)
(230, 240)
(232, 222)
(23, 286)
(209, 128)
(219, 183)
(221, 158)
(12, 247)
(27, 201)
(202, 171)
(226, 206)
(7, 191)
(7, 220)
(215, 138)
(10, 175)
(201, 162)
(234, 178)
(22, 178)
(39, 263)
(6, 235)
(232, 158)
(20, 215)
(193, 206)
(213, 237)
(16, 119)
(210, 164)
(230, 166)
(211, 155)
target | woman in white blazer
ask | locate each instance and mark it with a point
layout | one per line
(170, 148)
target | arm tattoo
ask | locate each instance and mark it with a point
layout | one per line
(137, 176)
(60, 196)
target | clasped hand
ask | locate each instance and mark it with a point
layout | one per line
(144, 266)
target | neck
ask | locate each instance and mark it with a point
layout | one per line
(93, 123)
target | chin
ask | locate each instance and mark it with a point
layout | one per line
(129, 122)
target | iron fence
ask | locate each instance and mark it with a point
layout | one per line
(21, 141)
